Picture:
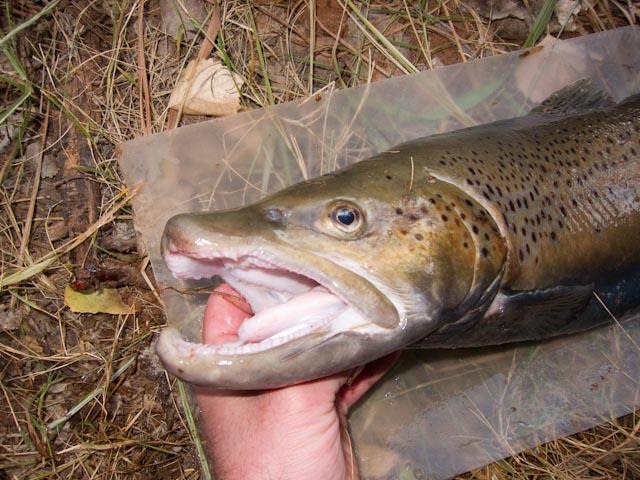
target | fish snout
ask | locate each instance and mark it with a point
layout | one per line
(192, 232)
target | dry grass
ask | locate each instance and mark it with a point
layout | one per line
(81, 396)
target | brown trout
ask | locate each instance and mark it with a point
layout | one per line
(516, 230)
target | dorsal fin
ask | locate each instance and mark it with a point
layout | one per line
(579, 97)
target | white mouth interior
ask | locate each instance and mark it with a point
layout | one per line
(286, 304)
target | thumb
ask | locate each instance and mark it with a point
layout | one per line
(225, 312)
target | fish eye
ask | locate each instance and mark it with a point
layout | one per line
(347, 218)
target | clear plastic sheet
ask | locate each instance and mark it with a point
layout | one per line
(438, 413)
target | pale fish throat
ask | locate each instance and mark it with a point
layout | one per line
(287, 304)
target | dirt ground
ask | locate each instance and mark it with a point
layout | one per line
(82, 395)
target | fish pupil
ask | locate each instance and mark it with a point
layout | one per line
(346, 216)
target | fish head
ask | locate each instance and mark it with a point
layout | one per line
(338, 271)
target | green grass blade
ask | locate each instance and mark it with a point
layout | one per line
(540, 25)
(26, 24)
(193, 431)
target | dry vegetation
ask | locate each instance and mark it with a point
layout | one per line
(81, 395)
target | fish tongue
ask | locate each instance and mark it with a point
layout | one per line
(317, 305)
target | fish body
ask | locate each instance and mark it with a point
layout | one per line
(517, 230)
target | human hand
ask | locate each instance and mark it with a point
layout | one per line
(296, 432)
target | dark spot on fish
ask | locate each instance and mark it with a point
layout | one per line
(465, 245)
(485, 252)
(563, 210)
(424, 209)
(432, 201)
(475, 229)
(534, 237)
(553, 235)
(403, 232)
(445, 218)
(389, 177)
(463, 216)
(520, 254)
(399, 211)
(418, 236)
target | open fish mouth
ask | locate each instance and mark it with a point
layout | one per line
(310, 316)
(287, 302)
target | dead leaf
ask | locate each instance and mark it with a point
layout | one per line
(105, 300)
(207, 88)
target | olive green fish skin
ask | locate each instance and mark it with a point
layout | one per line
(565, 193)
(487, 235)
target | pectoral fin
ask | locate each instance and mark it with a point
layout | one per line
(519, 316)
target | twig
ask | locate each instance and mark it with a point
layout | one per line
(193, 430)
(205, 50)
(48, 259)
(454, 32)
(94, 393)
(26, 233)
(312, 41)
(143, 82)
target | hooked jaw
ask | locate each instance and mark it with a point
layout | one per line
(304, 324)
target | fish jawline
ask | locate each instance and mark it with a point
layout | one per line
(199, 266)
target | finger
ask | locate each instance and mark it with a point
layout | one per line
(224, 313)
(350, 393)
